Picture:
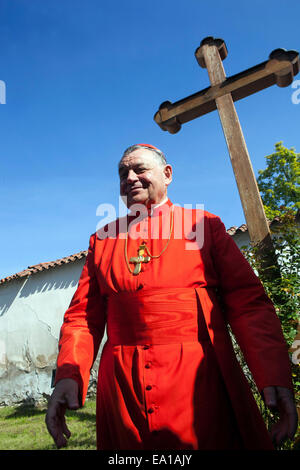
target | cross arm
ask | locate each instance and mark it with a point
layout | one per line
(280, 69)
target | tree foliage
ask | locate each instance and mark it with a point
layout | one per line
(279, 182)
(280, 193)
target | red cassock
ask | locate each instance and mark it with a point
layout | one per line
(168, 375)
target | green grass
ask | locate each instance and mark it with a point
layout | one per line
(24, 428)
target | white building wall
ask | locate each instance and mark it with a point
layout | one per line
(31, 314)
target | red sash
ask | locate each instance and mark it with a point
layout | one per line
(156, 316)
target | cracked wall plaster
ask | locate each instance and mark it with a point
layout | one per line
(31, 314)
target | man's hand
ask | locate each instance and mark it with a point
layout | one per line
(280, 399)
(64, 396)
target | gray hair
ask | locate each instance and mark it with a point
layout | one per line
(158, 153)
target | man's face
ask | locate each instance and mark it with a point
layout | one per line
(143, 180)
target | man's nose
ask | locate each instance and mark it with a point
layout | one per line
(132, 176)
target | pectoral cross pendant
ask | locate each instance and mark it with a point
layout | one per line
(138, 260)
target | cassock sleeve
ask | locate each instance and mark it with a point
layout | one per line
(250, 313)
(82, 329)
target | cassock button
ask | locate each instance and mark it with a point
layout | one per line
(151, 410)
(148, 365)
(146, 346)
(149, 387)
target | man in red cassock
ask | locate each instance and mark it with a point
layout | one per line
(166, 282)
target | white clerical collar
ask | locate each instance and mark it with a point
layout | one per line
(148, 212)
(157, 205)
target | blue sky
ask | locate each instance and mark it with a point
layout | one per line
(83, 82)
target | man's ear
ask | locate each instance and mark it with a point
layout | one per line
(168, 172)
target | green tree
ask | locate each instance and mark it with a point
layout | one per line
(279, 182)
(279, 185)
(280, 193)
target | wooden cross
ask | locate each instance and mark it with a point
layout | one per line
(280, 69)
(138, 260)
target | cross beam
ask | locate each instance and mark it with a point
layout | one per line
(280, 69)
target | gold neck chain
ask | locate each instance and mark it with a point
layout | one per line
(138, 260)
